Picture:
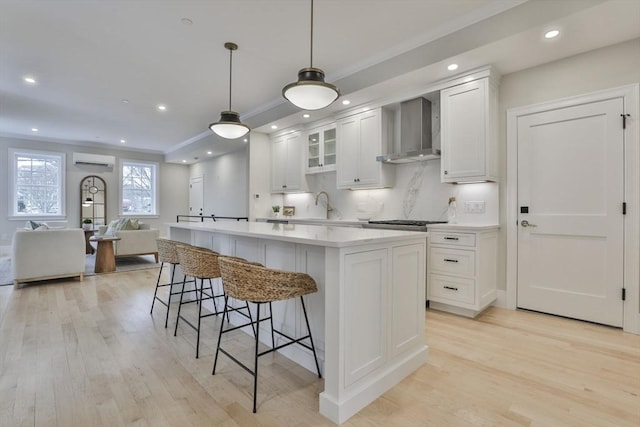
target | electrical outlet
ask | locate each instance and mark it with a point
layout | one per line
(477, 207)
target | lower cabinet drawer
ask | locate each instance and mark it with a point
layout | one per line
(451, 289)
(452, 261)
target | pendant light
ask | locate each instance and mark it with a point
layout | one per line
(229, 126)
(311, 92)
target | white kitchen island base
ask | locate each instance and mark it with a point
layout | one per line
(367, 317)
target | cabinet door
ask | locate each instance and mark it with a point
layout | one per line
(286, 163)
(314, 161)
(348, 133)
(370, 137)
(464, 125)
(293, 166)
(329, 148)
(278, 164)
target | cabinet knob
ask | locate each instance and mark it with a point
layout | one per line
(284, 186)
(446, 172)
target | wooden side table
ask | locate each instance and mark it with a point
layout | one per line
(88, 249)
(105, 257)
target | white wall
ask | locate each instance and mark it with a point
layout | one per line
(225, 183)
(173, 182)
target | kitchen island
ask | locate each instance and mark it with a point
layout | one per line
(367, 317)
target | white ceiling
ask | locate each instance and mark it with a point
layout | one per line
(88, 56)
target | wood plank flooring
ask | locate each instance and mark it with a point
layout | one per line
(89, 354)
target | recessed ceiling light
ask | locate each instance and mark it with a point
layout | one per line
(184, 161)
(162, 107)
(125, 101)
(209, 152)
(186, 21)
(274, 127)
(452, 67)
(306, 116)
(34, 129)
(245, 140)
(551, 34)
(30, 80)
(346, 102)
(123, 141)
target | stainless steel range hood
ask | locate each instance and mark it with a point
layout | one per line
(415, 134)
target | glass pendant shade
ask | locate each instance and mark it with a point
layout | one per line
(229, 126)
(311, 92)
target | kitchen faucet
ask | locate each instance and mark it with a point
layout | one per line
(329, 208)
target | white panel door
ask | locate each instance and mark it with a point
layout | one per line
(570, 243)
(196, 195)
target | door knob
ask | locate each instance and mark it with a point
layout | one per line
(526, 223)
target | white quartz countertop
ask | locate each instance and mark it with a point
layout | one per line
(319, 235)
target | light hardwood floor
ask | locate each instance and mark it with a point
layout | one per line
(89, 354)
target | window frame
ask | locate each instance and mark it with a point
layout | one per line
(12, 190)
(155, 167)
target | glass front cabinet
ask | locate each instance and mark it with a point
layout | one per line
(321, 149)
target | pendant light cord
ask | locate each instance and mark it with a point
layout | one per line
(230, 74)
(311, 49)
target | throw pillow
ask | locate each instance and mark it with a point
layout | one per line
(116, 225)
(33, 225)
(42, 226)
(131, 224)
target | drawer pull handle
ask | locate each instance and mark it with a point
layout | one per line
(451, 238)
(450, 260)
(451, 287)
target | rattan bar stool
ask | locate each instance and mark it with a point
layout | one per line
(251, 282)
(201, 263)
(167, 253)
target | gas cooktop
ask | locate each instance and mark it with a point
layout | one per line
(416, 223)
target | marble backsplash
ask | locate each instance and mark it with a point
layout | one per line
(417, 194)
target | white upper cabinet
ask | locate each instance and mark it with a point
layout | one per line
(362, 137)
(286, 163)
(321, 149)
(468, 132)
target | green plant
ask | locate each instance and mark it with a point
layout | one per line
(87, 221)
(276, 208)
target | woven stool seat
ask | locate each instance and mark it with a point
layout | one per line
(269, 284)
(167, 253)
(202, 263)
(252, 282)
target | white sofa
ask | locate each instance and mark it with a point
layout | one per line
(47, 254)
(135, 242)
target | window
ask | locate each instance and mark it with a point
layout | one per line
(139, 188)
(36, 184)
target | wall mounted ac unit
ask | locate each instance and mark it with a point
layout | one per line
(93, 159)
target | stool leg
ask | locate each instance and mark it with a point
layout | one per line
(199, 317)
(175, 331)
(273, 337)
(213, 297)
(250, 318)
(313, 348)
(215, 361)
(157, 284)
(255, 371)
(173, 272)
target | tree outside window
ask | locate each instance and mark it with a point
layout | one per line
(37, 180)
(138, 188)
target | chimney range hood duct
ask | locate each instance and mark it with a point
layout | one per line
(415, 134)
